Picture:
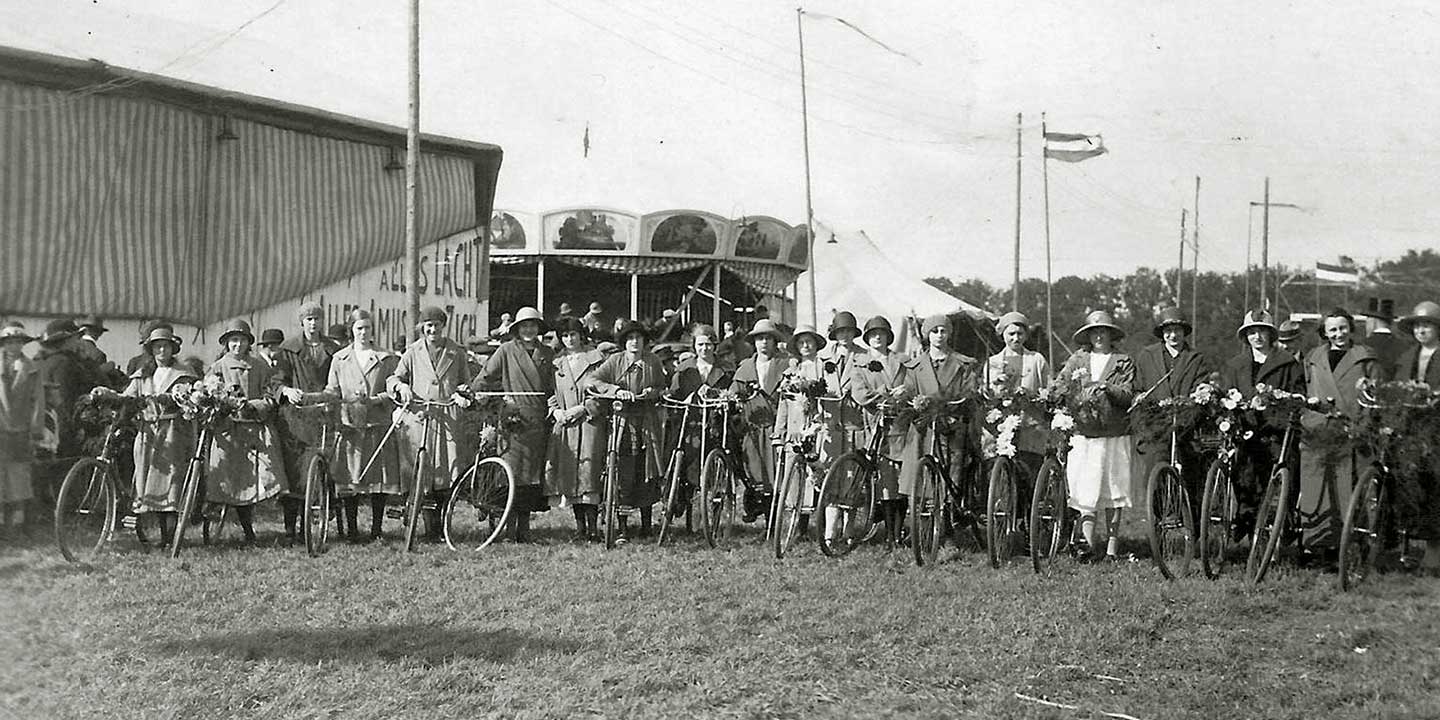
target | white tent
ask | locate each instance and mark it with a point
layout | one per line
(853, 273)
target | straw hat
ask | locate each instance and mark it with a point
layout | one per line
(1289, 330)
(236, 327)
(806, 329)
(1257, 318)
(1171, 316)
(1097, 319)
(766, 327)
(15, 331)
(1426, 311)
(527, 314)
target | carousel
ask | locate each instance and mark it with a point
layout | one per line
(698, 265)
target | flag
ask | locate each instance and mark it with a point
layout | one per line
(586, 141)
(1325, 272)
(862, 33)
(1076, 146)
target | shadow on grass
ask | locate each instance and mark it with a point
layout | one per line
(429, 644)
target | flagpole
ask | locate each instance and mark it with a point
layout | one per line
(1015, 291)
(1180, 269)
(1265, 247)
(805, 134)
(1195, 263)
(1049, 285)
(412, 173)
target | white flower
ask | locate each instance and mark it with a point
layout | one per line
(1261, 388)
(1062, 421)
(1079, 374)
(1258, 402)
(1229, 403)
(993, 416)
(1225, 426)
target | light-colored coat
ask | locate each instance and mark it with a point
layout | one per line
(433, 372)
(756, 449)
(513, 368)
(22, 419)
(362, 423)
(577, 449)
(869, 387)
(1328, 474)
(245, 465)
(955, 378)
(164, 439)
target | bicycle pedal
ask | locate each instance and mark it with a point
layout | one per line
(395, 513)
(130, 522)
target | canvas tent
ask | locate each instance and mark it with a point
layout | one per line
(854, 274)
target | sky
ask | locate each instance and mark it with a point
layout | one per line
(696, 104)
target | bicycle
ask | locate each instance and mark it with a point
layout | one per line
(848, 494)
(1275, 506)
(940, 505)
(1005, 523)
(720, 471)
(621, 428)
(205, 417)
(1219, 508)
(1050, 518)
(87, 507)
(320, 495)
(415, 500)
(488, 487)
(792, 462)
(675, 469)
(1167, 503)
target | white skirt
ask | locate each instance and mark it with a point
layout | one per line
(1098, 471)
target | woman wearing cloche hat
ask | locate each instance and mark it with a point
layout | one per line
(1418, 363)
(164, 439)
(246, 467)
(1099, 466)
(21, 423)
(1017, 367)
(636, 376)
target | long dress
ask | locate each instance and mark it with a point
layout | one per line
(1099, 467)
(245, 465)
(954, 377)
(516, 367)
(164, 440)
(22, 415)
(1327, 474)
(1028, 371)
(844, 419)
(363, 422)
(636, 372)
(577, 448)
(872, 376)
(763, 401)
(433, 371)
(799, 417)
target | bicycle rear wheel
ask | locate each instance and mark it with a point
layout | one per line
(612, 500)
(86, 510)
(1218, 510)
(1002, 520)
(674, 480)
(479, 506)
(189, 499)
(413, 502)
(928, 513)
(1047, 514)
(789, 501)
(845, 512)
(1363, 534)
(1269, 525)
(317, 506)
(717, 498)
(1171, 524)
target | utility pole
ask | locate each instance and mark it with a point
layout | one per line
(1195, 263)
(1180, 266)
(1015, 291)
(1265, 246)
(809, 206)
(412, 174)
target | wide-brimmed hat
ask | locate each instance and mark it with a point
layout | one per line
(1014, 317)
(162, 333)
(236, 326)
(1171, 316)
(629, 327)
(271, 336)
(1257, 318)
(15, 330)
(527, 314)
(1426, 311)
(93, 323)
(430, 313)
(58, 330)
(569, 324)
(1289, 330)
(1097, 319)
(309, 310)
(843, 320)
(805, 329)
(766, 327)
(878, 324)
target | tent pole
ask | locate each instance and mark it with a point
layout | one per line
(1195, 262)
(635, 296)
(715, 301)
(684, 303)
(412, 173)
(809, 205)
(1049, 283)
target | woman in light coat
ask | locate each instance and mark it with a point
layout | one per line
(164, 439)
(577, 440)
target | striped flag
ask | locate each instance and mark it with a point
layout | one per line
(1340, 274)
(1074, 147)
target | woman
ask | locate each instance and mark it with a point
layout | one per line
(938, 376)
(1262, 362)
(877, 381)
(757, 380)
(1418, 363)
(799, 416)
(164, 439)
(1327, 474)
(701, 375)
(433, 368)
(1016, 367)
(524, 364)
(358, 373)
(635, 376)
(22, 420)
(577, 441)
(844, 416)
(245, 465)
(1099, 465)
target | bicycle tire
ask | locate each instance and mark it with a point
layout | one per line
(848, 488)
(1167, 506)
(611, 500)
(787, 511)
(86, 510)
(1269, 526)
(317, 506)
(674, 477)
(1362, 536)
(1218, 511)
(1001, 510)
(717, 498)
(189, 496)
(413, 502)
(486, 493)
(928, 513)
(1047, 515)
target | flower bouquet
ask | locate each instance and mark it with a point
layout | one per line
(1152, 422)
(1008, 410)
(209, 399)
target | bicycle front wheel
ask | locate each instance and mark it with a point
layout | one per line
(86, 510)
(928, 515)
(317, 506)
(414, 501)
(479, 506)
(1218, 510)
(1269, 526)
(1047, 514)
(789, 502)
(1362, 536)
(845, 512)
(1171, 525)
(189, 501)
(676, 500)
(717, 498)
(1002, 520)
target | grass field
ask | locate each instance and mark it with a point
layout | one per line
(561, 630)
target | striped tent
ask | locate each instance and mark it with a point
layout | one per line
(139, 196)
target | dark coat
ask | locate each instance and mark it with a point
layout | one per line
(1281, 370)
(1190, 369)
(686, 379)
(1119, 377)
(1387, 348)
(310, 362)
(1406, 364)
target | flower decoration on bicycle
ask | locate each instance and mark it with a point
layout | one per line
(210, 399)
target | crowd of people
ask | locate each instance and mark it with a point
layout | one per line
(564, 375)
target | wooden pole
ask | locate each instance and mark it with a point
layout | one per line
(1195, 263)
(1015, 291)
(805, 134)
(1249, 240)
(1265, 247)
(540, 286)
(1049, 284)
(715, 301)
(412, 174)
(1180, 268)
